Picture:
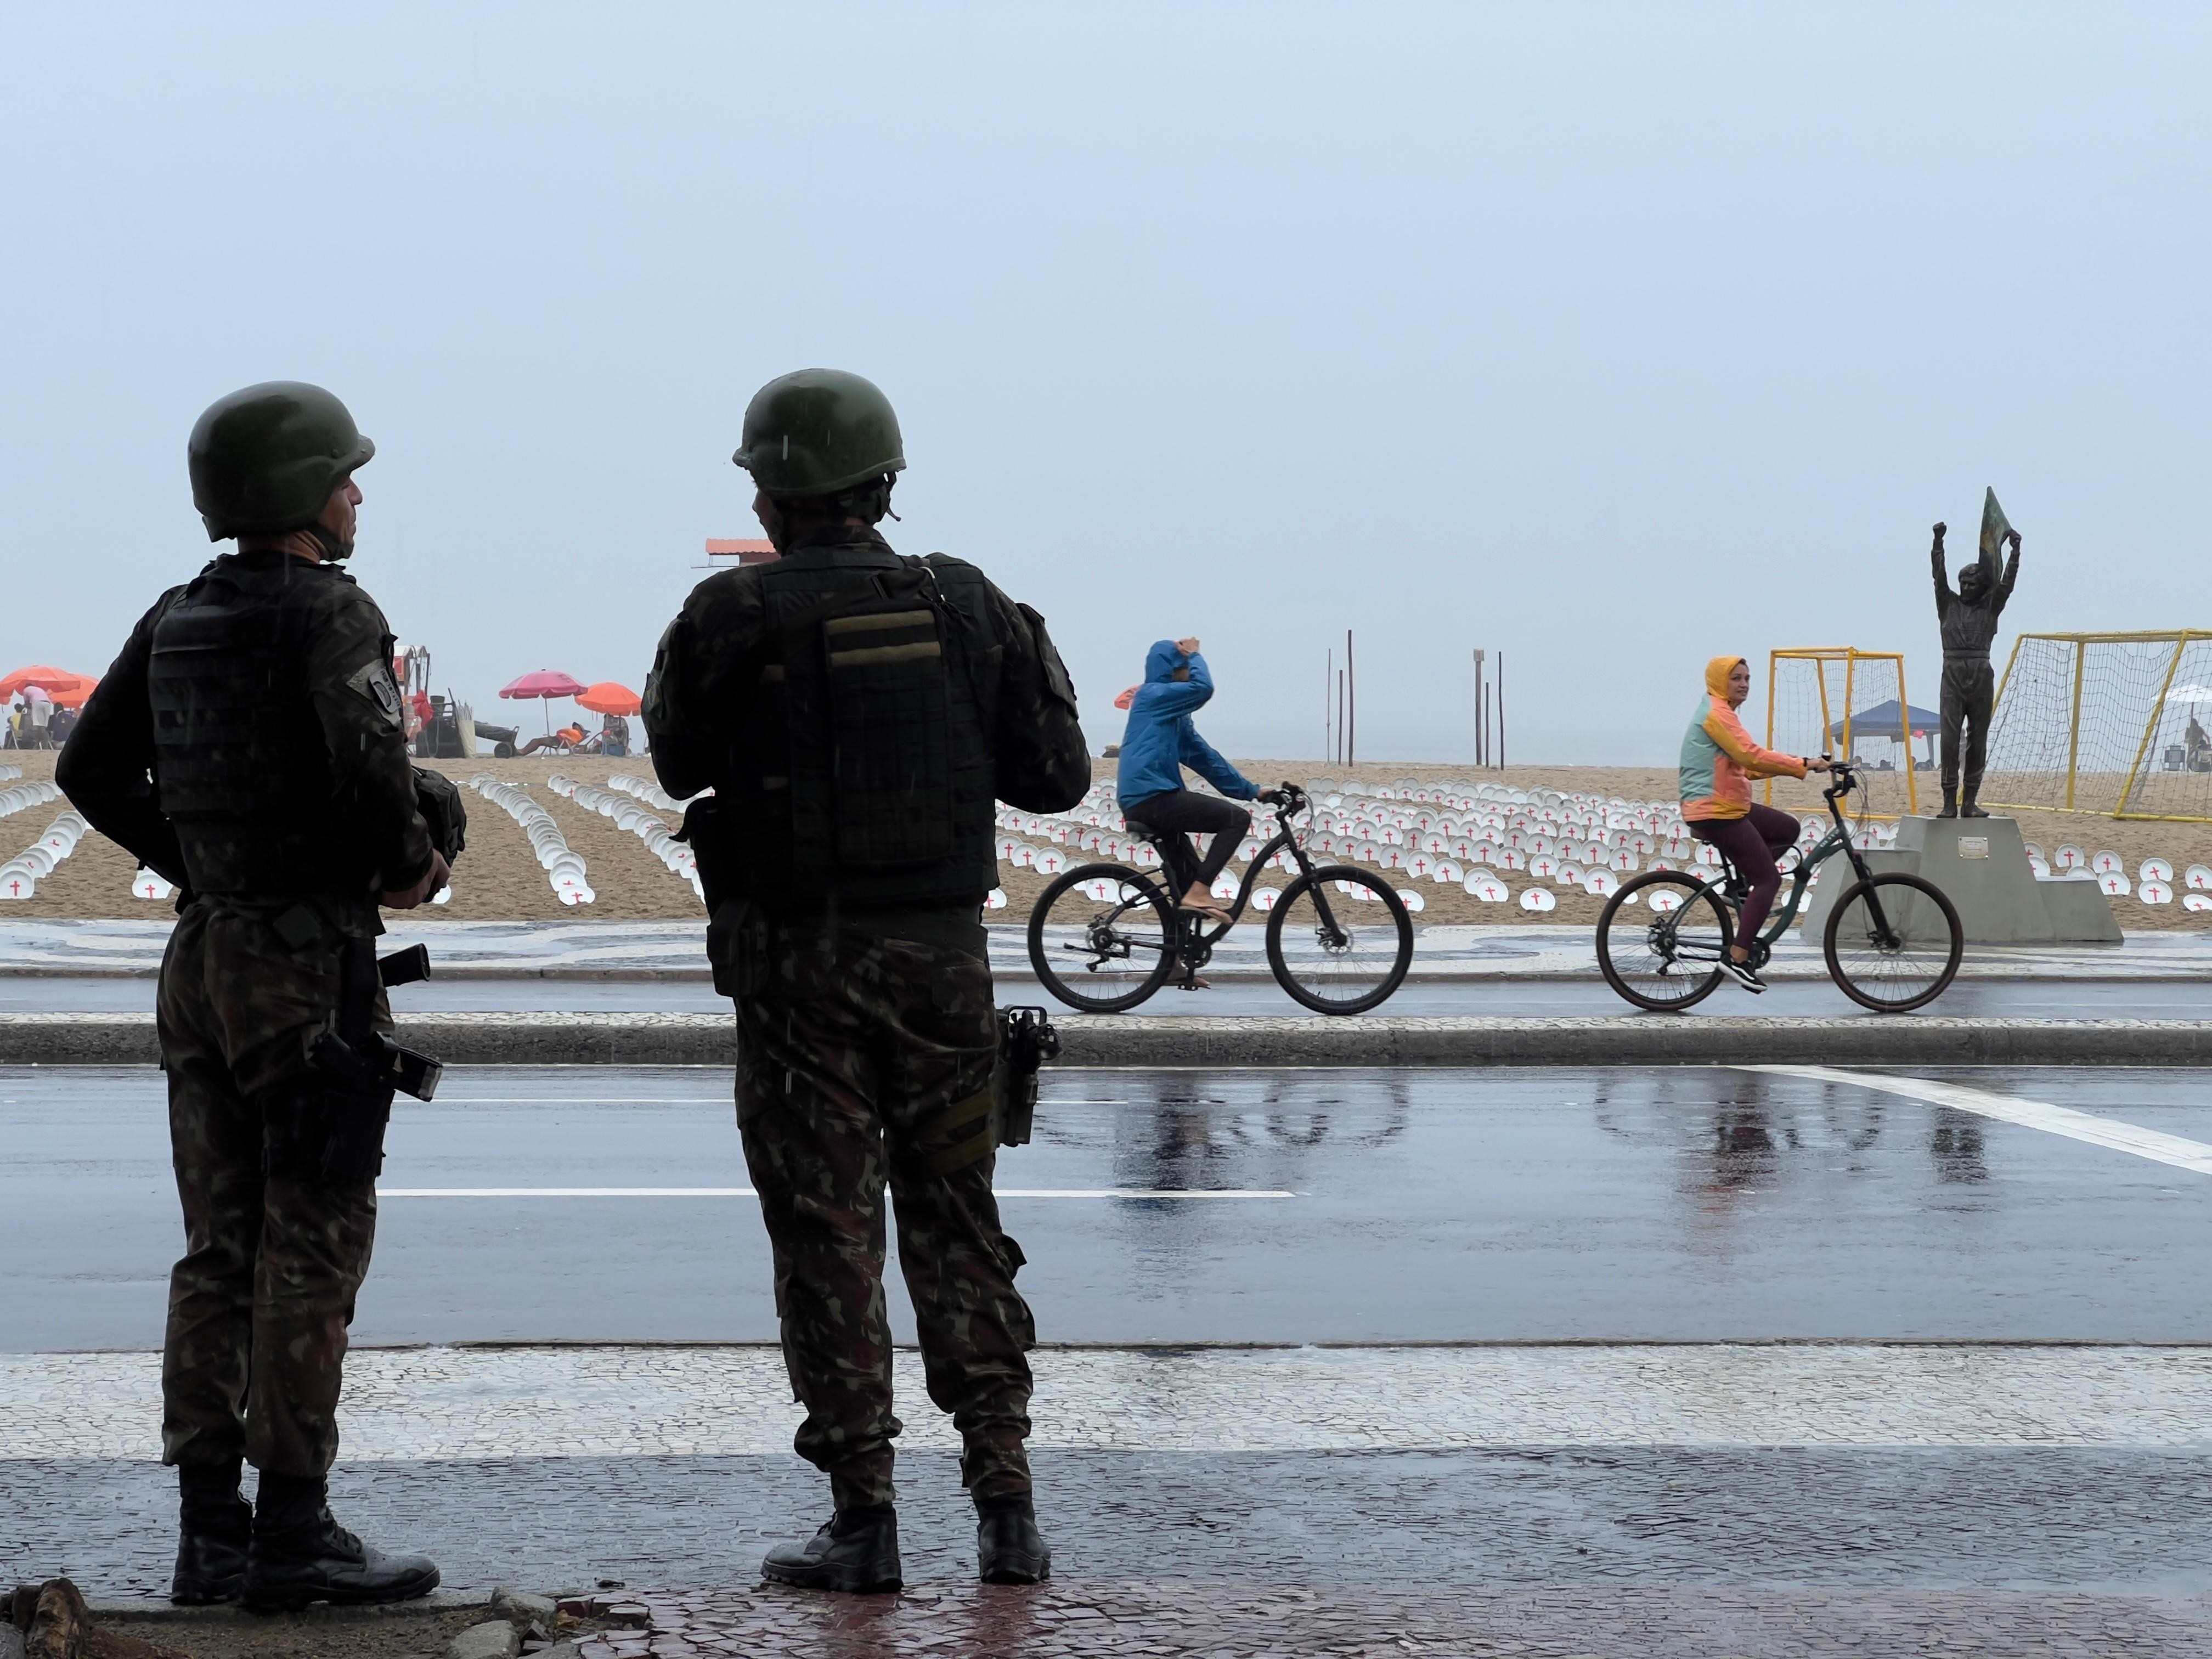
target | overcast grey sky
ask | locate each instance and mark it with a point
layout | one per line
(1613, 337)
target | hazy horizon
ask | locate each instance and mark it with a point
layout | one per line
(1608, 337)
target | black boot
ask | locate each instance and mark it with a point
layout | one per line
(300, 1555)
(214, 1527)
(1009, 1548)
(1968, 808)
(857, 1552)
(1950, 802)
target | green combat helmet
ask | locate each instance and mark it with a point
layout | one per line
(819, 431)
(264, 460)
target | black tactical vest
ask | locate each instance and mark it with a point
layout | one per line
(862, 773)
(239, 766)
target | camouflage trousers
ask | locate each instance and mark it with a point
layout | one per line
(864, 1062)
(277, 1169)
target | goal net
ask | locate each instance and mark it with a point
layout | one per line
(2119, 725)
(1837, 700)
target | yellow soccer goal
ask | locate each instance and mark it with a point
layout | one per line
(2118, 725)
(1838, 700)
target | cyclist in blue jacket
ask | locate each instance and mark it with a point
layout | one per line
(1158, 743)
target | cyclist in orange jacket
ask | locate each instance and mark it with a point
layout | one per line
(1719, 761)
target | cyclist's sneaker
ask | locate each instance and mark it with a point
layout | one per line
(1744, 974)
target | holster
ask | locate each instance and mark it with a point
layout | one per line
(1003, 1112)
(345, 1147)
(1026, 1042)
(737, 946)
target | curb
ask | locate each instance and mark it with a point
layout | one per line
(1256, 1042)
(151, 1611)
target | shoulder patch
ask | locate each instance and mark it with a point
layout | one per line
(373, 680)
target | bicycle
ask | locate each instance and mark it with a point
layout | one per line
(1892, 942)
(1105, 937)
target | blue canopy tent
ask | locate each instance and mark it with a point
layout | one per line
(1881, 722)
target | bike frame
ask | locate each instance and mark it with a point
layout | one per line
(1837, 839)
(1194, 940)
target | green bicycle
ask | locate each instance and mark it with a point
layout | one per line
(1893, 941)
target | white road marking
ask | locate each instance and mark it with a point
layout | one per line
(2177, 1150)
(747, 1192)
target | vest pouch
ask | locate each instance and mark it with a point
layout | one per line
(889, 718)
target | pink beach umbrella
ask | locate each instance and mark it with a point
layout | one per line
(545, 684)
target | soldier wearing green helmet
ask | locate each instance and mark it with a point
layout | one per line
(857, 713)
(248, 745)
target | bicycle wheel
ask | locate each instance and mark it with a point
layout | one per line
(1665, 954)
(1894, 943)
(1331, 950)
(1102, 937)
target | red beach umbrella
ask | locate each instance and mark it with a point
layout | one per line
(545, 684)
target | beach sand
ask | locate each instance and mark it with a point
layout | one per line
(498, 877)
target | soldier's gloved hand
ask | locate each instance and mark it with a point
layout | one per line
(436, 877)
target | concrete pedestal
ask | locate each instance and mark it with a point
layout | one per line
(1981, 865)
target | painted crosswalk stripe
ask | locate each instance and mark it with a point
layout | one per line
(2153, 1144)
(747, 1192)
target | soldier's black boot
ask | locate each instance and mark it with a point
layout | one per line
(1950, 802)
(1009, 1548)
(300, 1555)
(1968, 807)
(857, 1552)
(215, 1525)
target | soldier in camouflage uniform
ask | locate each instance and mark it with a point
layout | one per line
(857, 713)
(247, 744)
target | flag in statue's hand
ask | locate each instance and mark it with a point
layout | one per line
(1994, 527)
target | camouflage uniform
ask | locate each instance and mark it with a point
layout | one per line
(867, 1040)
(865, 1060)
(276, 1162)
(276, 1171)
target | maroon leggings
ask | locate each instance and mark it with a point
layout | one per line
(1752, 844)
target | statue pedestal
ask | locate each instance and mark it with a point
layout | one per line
(1981, 865)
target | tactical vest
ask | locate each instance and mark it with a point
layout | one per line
(862, 772)
(239, 766)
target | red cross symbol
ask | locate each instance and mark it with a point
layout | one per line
(15, 887)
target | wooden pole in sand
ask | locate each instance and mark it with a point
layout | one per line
(1351, 705)
(1478, 707)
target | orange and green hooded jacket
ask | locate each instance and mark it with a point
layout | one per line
(1719, 759)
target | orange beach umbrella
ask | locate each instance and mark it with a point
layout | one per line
(55, 682)
(608, 697)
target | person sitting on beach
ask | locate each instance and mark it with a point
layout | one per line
(564, 740)
(1158, 742)
(1719, 761)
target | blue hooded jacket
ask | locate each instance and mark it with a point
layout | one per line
(1160, 740)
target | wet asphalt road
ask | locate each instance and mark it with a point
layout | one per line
(2020, 999)
(1434, 1205)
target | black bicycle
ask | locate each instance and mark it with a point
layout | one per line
(1103, 936)
(1893, 941)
